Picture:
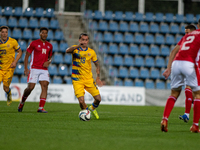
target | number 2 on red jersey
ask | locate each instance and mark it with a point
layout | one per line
(189, 39)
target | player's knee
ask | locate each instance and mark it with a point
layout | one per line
(97, 98)
(81, 100)
(6, 89)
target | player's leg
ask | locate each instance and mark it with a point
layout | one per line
(82, 103)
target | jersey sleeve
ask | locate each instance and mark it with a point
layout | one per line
(16, 45)
(30, 47)
(51, 51)
(94, 57)
(75, 51)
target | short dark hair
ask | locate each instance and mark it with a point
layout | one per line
(3, 27)
(44, 28)
(83, 34)
(191, 27)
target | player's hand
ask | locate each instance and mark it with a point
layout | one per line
(13, 65)
(99, 82)
(46, 64)
(80, 44)
(166, 73)
(26, 71)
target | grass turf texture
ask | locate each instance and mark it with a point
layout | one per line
(119, 128)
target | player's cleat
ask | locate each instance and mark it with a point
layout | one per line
(20, 107)
(164, 125)
(94, 112)
(184, 118)
(194, 129)
(9, 98)
(42, 110)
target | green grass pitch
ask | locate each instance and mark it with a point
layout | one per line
(119, 128)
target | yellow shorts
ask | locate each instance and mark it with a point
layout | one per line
(6, 76)
(88, 85)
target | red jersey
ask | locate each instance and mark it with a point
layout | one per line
(189, 47)
(40, 53)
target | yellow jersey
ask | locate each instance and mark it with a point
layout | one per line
(81, 63)
(7, 52)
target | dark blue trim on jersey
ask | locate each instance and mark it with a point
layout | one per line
(95, 61)
(5, 41)
(75, 63)
(85, 49)
(75, 55)
(76, 79)
(17, 49)
(74, 71)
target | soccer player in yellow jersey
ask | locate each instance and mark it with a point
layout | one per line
(8, 47)
(82, 73)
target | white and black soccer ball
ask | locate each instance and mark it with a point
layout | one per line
(84, 115)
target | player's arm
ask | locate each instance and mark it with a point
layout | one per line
(47, 63)
(72, 48)
(26, 71)
(98, 81)
(171, 58)
(19, 54)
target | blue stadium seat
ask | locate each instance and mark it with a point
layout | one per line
(139, 61)
(88, 14)
(50, 35)
(169, 17)
(123, 27)
(189, 18)
(17, 34)
(174, 28)
(128, 61)
(139, 38)
(149, 61)
(19, 69)
(18, 12)
(144, 27)
(144, 73)
(70, 69)
(154, 28)
(98, 36)
(118, 60)
(128, 38)
(103, 48)
(128, 82)
(179, 18)
(93, 25)
(118, 82)
(149, 39)
(57, 80)
(144, 50)
(113, 49)
(23, 23)
(23, 56)
(108, 37)
(166, 61)
(28, 12)
(123, 49)
(23, 45)
(159, 62)
(53, 69)
(118, 37)
(182, 28)
(113, 72)
(133, 27)
(159, 17)
(160, 84)
(3, 21)
(0, 10)
(58, 58)
(63, 46)
(108, 60)
(159, 39)
(39, 12)
(138, 17)
(103, 26)
(165, 50)
(9, 33)
(164, 28)
(197, 17)
(133, 49)
(7, 11)
(33, 23)
(63, 70)
(97, 15)
(27, 34)
(59, 35)
(15, 79)
(55, 46)
(68, 80)
(169, 39)
(123, 72)
(118, 15)
(178, 38)
(36, 34)
(168, 84)
(154, 73)
(161, 73)
(12, 22)
(133, 72)
(139, 83)
(149, 84)
(128, 16)
(23, 79)
(113, 26)
(68, 59)
(108, 15)
(44, 22)
(49, 12)
(149, 17)
(54, 24)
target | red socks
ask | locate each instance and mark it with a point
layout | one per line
(188, 100)
(42, 103)
(196, 111)
(169, 106)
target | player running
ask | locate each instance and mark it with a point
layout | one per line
(184, 69)
(82, 73)
(8, 47)
(41, 53)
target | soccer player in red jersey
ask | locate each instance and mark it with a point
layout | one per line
(41, 54)
(183, 70)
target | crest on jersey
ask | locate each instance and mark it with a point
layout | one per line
(39, 46)
(89, 54)
(8, 45)
(44, 51)
(48, 47)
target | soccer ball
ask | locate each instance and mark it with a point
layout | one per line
(84, 115)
